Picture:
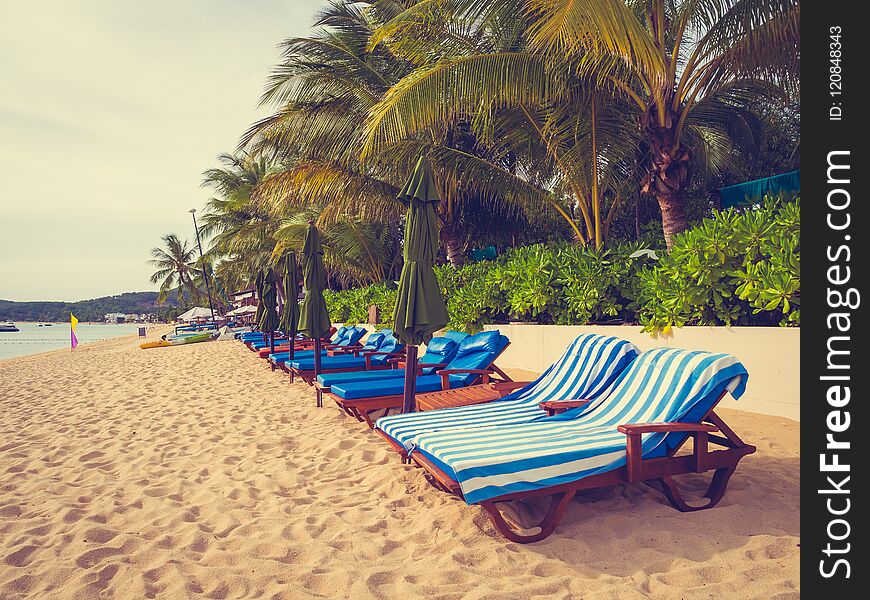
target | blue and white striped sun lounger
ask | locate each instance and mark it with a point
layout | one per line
(586, 369)
(654, 405)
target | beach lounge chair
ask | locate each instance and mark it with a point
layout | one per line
(474, 361)
(588, 367)
(373, 355)
(439, 352)
(631, 434)
(300, 344)
(262, 346)
(350, 338)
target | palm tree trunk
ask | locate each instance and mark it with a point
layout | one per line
(450, 239)
(668, 174)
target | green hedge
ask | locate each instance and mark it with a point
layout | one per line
(741, 269)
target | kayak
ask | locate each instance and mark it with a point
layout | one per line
(178, 340)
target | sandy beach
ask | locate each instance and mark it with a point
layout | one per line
(195, 471)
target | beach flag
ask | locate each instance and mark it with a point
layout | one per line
(73, 340)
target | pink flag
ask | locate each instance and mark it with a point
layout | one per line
(73, 340)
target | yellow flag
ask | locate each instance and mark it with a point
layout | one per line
(73, 340)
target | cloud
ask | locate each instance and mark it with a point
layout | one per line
(109, 113)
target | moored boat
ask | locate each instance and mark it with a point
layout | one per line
(9, 327)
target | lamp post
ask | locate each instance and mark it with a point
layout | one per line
(204, 273)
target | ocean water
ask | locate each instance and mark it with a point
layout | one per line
(32, 339)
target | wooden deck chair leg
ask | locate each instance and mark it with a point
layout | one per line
(558, 506)
(501, 373)
(713, 494)
(370, 421)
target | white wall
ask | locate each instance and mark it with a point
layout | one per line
(770, 354)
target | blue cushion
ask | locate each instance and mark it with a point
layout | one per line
(456, 336)
(330, 379)
(391, 344)
(281, 357)
(476, 352)
(375, 340)
(440, 350)
(384, 387)
(487, 341)
(330, 362)
(353, 336)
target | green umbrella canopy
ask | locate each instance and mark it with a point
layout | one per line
(269, 320)
(258, 285)
(420, 310)
(290, 314)
(313, 317)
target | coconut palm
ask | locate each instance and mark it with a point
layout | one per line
(354, 251)
(176, 268)
(240, 230)
(325, 89)
(689, 68)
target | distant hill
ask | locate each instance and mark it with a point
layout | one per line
(84, 310)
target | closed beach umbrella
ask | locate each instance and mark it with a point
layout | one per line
(258, 286)
(290, 314)
(269, 320)
(420, 310)
(313, 317)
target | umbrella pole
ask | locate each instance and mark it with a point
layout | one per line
(316, 357)
(409, 402)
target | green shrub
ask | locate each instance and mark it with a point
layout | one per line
(732, 269)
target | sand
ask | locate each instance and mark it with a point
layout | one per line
(194, 471)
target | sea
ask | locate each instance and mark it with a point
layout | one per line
(32, 339)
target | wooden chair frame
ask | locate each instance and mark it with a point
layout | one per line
(362, 409)
(651, 472)
(309, 377)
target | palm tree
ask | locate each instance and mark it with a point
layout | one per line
(689, 68)
(240, 230)
(325, 89)
(176, 268)
(354, 251)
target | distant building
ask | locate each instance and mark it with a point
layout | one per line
(242, 298)
(115, 318)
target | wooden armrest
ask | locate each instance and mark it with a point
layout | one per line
(639, 428)
(402, 364)
(634, 447)
(446, 373)
(368, 357)
(506, 387)
(554, 407)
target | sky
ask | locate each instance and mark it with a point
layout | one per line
(109, 113)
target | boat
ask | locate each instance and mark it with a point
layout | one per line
(177, 340)
(10, 327)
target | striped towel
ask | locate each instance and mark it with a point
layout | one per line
(662, 385)
(588, 366)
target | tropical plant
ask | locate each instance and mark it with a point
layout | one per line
(176, 264)
(239, 229)
(354, 252)
(690, 69)
(325, 90)
(732, 269)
